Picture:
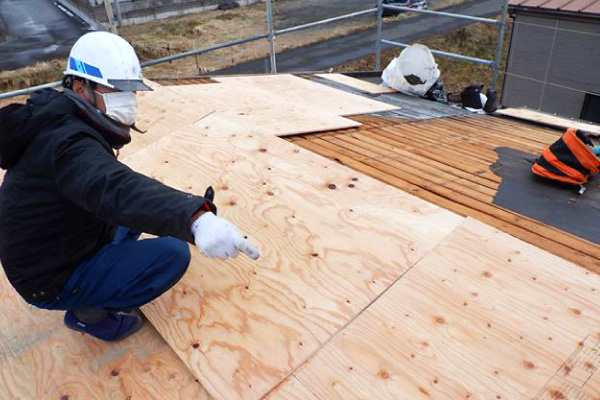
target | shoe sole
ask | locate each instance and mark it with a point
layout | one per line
(134, 330)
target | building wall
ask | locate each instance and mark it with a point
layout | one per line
(140, 11)
(549, 57)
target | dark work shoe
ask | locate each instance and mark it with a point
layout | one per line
(112, 328)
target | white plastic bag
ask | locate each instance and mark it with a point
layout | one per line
(413, 72)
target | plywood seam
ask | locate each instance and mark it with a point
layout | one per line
(307, 387)
(454, 193)
(562, 248)
(555, 374)
(304, 362)
(373, 345)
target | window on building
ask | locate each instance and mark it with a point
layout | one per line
(591, 108)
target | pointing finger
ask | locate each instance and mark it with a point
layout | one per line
(247, 248)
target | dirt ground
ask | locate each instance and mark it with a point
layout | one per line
(162, 38)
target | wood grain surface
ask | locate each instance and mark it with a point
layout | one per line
(549, 119)
(451, 162)
(291, 389)
(357, 83)
(277, 105)
(161, 112)
(577, 378)
(483, 316)
(331, 241)
(295, 90)
(43, 360)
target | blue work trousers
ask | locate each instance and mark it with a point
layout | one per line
(124, 274)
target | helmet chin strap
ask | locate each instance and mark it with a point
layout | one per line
(91, 93)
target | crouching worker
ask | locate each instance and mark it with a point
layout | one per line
(71, 213)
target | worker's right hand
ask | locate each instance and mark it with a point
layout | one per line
(216, 237)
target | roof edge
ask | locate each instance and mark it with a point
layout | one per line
(513, 9)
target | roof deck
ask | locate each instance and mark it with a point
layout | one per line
(388, 268)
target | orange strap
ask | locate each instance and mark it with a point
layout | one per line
(573, 173)
(585, 156)
(541, 171)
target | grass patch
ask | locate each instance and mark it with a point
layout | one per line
(38, 74)
(162, 38)
(476, 40)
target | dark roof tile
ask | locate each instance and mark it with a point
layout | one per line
(578, 6)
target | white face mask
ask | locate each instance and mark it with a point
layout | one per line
(121, 106)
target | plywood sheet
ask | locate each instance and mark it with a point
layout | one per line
(41, 359)
(449, 162)
(577, 378)
(559, 388)
(548, 119)
(331, 241)
(357, 83)
(297, 91)
(483, 316)
(274, 122)
(161, 112)
(246, 104)
(291, 389)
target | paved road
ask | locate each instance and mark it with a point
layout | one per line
(297, 12)
(39, 31)
(330, 53)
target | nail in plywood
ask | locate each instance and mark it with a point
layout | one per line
(548, 119)
(483, 316)
(331, 241)
(41, 359)
(357, 83)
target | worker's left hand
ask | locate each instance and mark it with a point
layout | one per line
(216, 237)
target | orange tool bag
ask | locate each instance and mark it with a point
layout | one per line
(568, 160)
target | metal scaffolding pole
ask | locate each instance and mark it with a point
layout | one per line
(118, 7)
(379, 33)
(445, 54)
(272, 33)
(326, 21)
(271, 37)
(111, 16)
(203, 50)
(499, 46)
(442, 14)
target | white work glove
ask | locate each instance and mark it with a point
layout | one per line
(218, 238)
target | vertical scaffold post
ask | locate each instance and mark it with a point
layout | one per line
(271, 37)
(119, 18)
(379, 33)
(498, 58)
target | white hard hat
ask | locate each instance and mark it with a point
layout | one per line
(107, 59)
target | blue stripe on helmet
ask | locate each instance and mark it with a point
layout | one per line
(85, 68)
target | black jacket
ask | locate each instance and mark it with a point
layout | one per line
(64, 194)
